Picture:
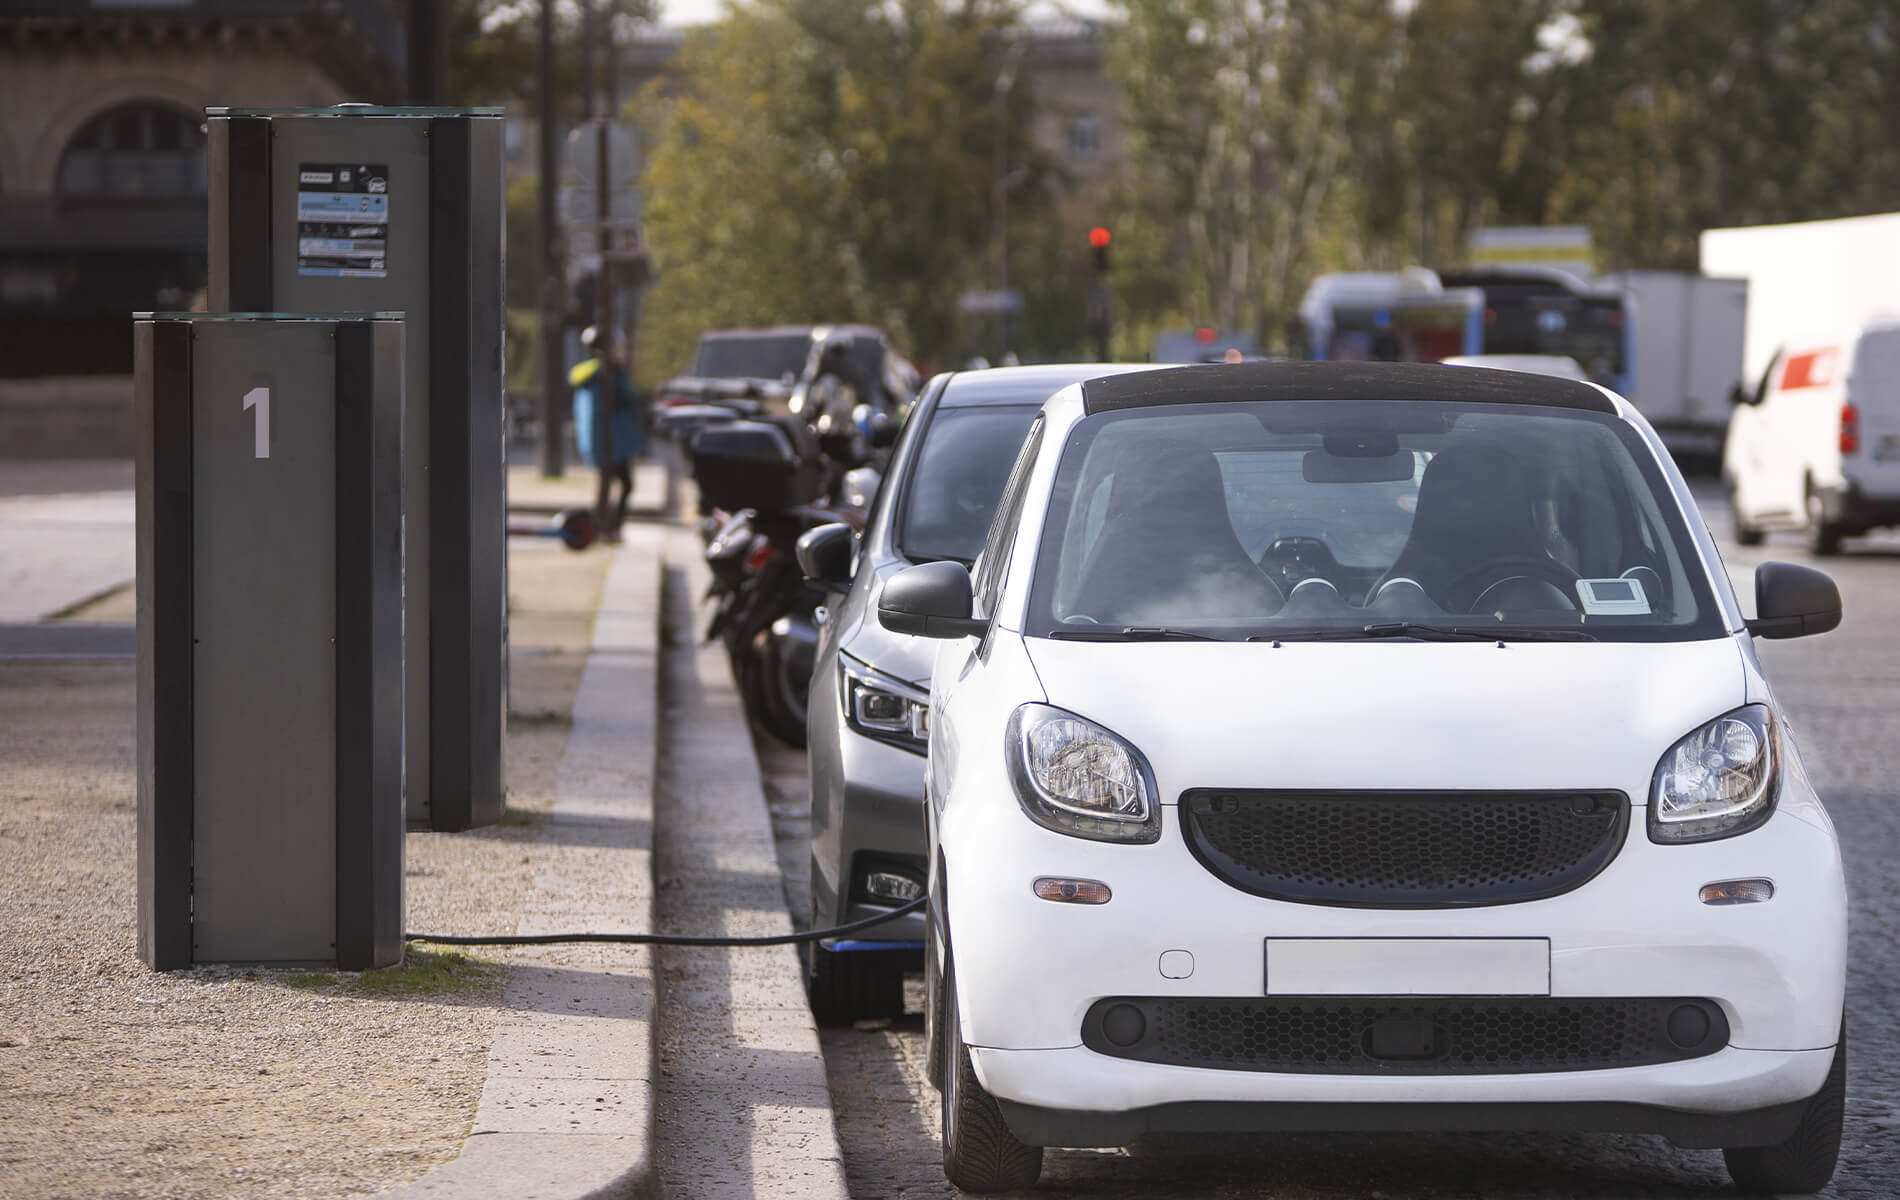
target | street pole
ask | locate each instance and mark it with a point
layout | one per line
(553, 290)
(999, 184)
(428, 61)
(606, 391)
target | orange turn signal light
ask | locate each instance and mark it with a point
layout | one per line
(1738, 891)
(1072, 891)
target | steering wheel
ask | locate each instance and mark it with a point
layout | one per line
(1488, 575)
(1295, 558)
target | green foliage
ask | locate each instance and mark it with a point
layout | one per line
(1704, 113)
(1270, 140)
(830, 160)
(1239, 120)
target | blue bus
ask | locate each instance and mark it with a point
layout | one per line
(1417, 315)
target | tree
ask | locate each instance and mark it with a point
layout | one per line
(828, 159)
(1687, 114)
(1239, 119)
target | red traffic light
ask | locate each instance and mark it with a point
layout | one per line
(1099, 237)
(1204, 335)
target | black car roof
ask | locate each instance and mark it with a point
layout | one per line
(1226, 382)
(1016, 385)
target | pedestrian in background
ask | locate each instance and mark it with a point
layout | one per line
(601, 379)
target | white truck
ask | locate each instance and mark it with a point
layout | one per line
(1687, 354)
(1807, 276)
(1815, 444)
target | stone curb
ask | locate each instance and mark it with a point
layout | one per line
(567, 1111)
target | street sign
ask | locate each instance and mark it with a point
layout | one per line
(990, 303)
(1565, 247)
(580, 160)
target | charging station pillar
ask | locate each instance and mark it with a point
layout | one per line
(270, 684)
(354, 209)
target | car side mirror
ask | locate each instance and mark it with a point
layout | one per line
(930, 600)
(1793, 601)
(825, 554)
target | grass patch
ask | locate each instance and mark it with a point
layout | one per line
(518, 817)
(311, 979)
(426, 973)
(423, 974)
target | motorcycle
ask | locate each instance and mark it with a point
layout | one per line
(765, 482)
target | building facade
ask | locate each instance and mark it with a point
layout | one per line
(102, 149)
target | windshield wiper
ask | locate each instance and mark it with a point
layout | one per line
(1131, 633)
(915, 559)
(1425, 633)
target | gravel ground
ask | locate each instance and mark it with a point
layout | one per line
(116, 1081)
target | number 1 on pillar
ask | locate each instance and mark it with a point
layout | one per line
(259, 398)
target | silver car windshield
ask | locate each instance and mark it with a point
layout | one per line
(1347, 519)
(953, 490)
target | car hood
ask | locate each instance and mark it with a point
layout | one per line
(1394, 715)
(899, 655)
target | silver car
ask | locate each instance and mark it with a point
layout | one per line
(871, 687)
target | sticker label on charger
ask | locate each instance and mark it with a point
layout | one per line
(1613, 597)
(343, 220)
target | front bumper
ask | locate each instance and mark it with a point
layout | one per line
(1030, 970)
(1731, 1098)
(872, 799)
(1855, 510)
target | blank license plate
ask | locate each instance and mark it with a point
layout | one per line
(1408, 966)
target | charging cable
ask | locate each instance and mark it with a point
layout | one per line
(668, 939)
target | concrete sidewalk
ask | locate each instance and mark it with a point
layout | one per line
(66, 536)
(532, 493)
(577, 1101)
(536, 1072)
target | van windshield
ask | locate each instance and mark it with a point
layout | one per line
(1349, 518)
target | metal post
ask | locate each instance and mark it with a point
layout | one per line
(428, 56)
(999, 185)
(607, 392)
(553, 376)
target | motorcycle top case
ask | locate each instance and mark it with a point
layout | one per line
(770, 464)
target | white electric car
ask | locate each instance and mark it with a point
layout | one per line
(1337, 746)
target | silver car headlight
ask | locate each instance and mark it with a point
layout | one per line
(883, 708)
(1075, 777)
(1718, 781)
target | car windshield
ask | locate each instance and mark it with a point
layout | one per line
(1345, 519)
(961, 465)
(751, 356)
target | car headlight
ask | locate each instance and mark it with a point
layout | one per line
(882, 708)
(1075, 777)
(1718, 781)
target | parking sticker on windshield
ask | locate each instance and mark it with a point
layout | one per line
(343, 220)
(1613, 597)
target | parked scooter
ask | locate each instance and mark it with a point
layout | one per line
(764, 482)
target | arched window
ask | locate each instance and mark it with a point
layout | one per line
(135, 150)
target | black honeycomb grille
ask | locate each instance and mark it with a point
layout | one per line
(1405, 850)
(1405, 1035)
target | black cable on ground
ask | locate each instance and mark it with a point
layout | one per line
(667, 939)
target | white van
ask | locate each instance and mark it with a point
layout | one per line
(1817, 445)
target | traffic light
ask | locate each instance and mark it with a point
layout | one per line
(1096, 314)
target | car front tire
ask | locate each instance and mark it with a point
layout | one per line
(1745, 534)
(980, 1154)
(1805, 1162)
(1824, 537)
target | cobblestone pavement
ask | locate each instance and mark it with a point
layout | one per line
(1842, 691)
